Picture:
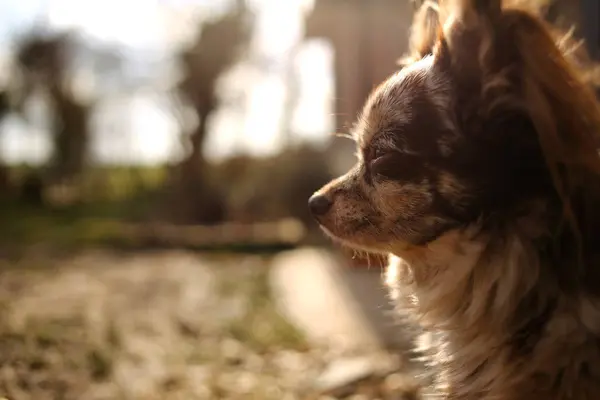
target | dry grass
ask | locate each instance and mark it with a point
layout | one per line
(159, 326)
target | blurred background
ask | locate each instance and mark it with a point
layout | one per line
(156, 157)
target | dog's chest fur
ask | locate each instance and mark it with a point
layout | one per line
(501, 328)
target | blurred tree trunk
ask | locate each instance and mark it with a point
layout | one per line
(71, 136)
(197, 139)
(44, 64)
(192, 197)
(5, 185)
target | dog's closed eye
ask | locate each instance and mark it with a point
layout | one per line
(381, 157)
(397, 166)
(379, 152)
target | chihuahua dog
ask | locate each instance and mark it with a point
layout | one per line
(478, 174)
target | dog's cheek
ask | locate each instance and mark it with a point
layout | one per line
(454, 190)
(403, 201)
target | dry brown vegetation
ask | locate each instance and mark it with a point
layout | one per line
(157, 326)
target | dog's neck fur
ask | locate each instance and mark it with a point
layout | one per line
(506, 329)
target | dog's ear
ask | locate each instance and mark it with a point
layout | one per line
(468, 34)
(425, 30)
(469, 16)
(429, 18)
(470, 11)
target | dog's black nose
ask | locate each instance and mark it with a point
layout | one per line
(319, 204)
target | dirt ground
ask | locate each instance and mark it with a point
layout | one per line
(165, 325)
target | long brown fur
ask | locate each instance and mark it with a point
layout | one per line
(478, 172)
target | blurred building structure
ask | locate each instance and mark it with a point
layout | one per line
(590, 25)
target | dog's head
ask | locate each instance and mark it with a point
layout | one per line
(470, 128)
